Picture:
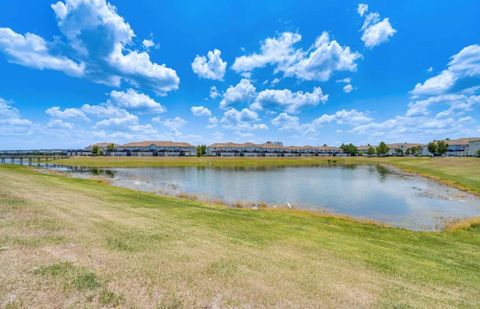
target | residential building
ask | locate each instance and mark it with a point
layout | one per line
(363, 149)
(459, 147)
(269, 149)
(103, 146)
(399, 149)
(473, 148)
(158, 148)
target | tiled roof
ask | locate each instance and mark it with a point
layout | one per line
(461, 141)
(102, 145)
(232, 145)
(158, 144)
(405, 145)
(269, 146)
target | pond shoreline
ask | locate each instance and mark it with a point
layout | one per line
(437, 221)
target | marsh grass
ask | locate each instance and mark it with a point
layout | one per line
(463, 224)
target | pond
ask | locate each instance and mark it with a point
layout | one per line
(361, 191)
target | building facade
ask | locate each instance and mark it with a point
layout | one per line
(269, 149)
(158, 148)
(461, 147)
(473, 148)
(399, 149)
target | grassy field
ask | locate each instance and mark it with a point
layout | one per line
(68, 242)
(463, 173)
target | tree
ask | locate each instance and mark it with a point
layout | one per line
(96, 151)
(371, 151)
(442, 147)
(201, 150)
(399, 152)
(478, 153)
(111, 148)
(350, 149)
(432, 147)
(417, 150)
(414, 151)
(382, 149)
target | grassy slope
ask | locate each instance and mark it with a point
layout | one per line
(74, 242)
(462, 173)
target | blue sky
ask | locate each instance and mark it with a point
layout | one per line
(75, 72)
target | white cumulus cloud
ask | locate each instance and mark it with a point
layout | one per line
(210, 67)
(66, 113)
(93, 46)
(131, 99)
(374, 30)
(174, 124)
(11, 122)
(200, 111)
(244, 119)
(243, 92)
(319, 62)
(465, 64)
(291, 102)
(32, 51)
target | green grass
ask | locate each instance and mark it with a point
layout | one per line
(136, 249)
(71, 275)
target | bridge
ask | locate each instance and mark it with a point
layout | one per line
(30, 157)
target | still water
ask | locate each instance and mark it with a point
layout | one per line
(362, 191)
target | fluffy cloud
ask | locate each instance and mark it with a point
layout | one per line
(362, 9)
(212, 68)
(113, 112)
(465, 64)
(244, 119)
(440, 106)
(290, 101)
(455, 103)
(286, 122)
(243, 92)
(276, 51)
(117, 122)
(59, 124)
(11, 122)
(423, 128)
(352, 117)
(200, 111)
(102, 110)
(112, 117)
(347, 88)
(175, 123)
(374, 30)
(96, 48)
(212, 122)
(149, 44)
(214, 93)
(319, 62)
(32, 51)
(66, 113)
(348, 117)
(131, 99)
